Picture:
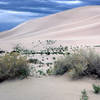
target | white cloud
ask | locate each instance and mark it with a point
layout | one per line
(69, 2)
(40, 8)
(21, 13)
(3, 3)
(16, 16)
(15, 12)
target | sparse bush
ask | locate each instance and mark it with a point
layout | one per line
(13, 65)
(42, 59)
(2, 51)
(18, 48)
(48, 64)
(61, 66)
(77, 71)
(49, 71)
(84, 95)
(35, 61)
(41, 72)
(48, 53)
(54, 58)
(79, 63)
(73, 63)
(96, 88)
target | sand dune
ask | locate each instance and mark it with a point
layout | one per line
(80, 24)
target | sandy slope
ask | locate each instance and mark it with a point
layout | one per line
(48, 88)
(80, 25)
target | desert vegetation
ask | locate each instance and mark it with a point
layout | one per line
(79, 63)
(84, 95)
(13, 65)
(22, 62)
(49, 59)
(96, 88)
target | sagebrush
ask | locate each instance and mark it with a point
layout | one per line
(13, 65)
(79, 63)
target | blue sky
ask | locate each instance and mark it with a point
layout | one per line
(14, 12)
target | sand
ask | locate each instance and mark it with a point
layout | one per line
(47, 88)
(80, 25)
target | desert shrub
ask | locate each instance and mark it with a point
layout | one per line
(13, 65)
(93, 60)
(35, 61)
(54, 58)
(84, 95)
(18, 48)
(42, 59)
(96, 88)
(79, 63)
(48, 53)
(74, 63)
(61, 66)
(41, 72)
(77, 71)
(1, 51)
(48, 64)
(49, 71)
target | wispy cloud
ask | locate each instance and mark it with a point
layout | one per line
(41, 9)
(18, 12)
(16, 16)
(69, 2)
(4, 3)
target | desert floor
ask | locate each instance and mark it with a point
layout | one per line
(47, 88)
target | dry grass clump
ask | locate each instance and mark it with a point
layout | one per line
(13, 65)
(79, 63)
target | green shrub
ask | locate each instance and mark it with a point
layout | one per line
(35, 61)
(13, 65)
(18, 48)
(49, 71)
(48, 53)
(48, 64)
(77, 71)
(79, 63)
(41, 72)
(73, 63)
(96, 88)
(61, 66)
(84, 95)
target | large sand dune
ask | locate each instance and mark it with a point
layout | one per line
(80, 25)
